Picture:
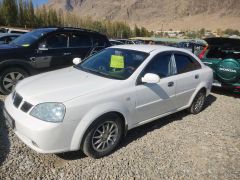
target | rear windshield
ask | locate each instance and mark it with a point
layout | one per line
(223, 53)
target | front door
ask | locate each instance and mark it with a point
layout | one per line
(153, 100)
(53, 52)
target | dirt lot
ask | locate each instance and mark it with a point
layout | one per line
(180, 146)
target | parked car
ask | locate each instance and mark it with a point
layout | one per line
(6, 38)
(126, 41)
(14, 30)
(115, 42)
(92, 105)
(44, 50)
(192, 46)
(138, 41)
(223, 56)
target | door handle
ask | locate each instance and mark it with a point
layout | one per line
(170, 84)
(196, 76)
(67, 54)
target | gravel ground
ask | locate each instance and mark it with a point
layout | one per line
(180, 146)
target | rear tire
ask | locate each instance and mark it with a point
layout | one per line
(103, 137)
(198, 102)
(9, 78)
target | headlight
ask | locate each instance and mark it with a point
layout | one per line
(50, 112)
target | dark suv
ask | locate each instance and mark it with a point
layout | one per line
(43, 50)
(223, 56)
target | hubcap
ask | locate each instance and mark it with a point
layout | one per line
(11, 79)
(105, 136)
(199, 103)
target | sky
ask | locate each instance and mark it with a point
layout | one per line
(39, 2)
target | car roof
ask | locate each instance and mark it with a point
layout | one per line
(9, 34)
(49, 29)
(148, 48)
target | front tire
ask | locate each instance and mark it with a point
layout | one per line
(9, 78)
(103, 136)
(198, 103)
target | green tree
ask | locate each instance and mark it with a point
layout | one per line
(137, 31)
(2, 20)
(10, 12)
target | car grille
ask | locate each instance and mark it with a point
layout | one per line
(18, 99)
(26, 107)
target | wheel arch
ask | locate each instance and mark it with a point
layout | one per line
(16, 63)
(92, 116)
(202, 86)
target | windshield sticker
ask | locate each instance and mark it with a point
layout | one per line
(117, 62)
(25, 45)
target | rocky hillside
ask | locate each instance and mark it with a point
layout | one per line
(159, 14)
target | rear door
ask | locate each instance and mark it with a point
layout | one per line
(80, 45)
(187, 78)
(99, 42)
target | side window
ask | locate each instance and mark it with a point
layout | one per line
(160, 65)
(99, 41)
(2, 40)
(5, 40)
(56, 41)
(80, 40)
(128, 42)
(13, 37)
(185, 63)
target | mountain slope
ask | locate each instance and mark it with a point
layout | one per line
(159, 14)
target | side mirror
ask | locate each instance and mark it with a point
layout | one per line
(151, 78)
(77, 61)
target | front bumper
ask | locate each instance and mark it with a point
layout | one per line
(41, 136)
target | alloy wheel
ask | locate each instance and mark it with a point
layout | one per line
(105, 136)
(199, 102)
(11, 79)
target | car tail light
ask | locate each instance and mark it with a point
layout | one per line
(203, 52)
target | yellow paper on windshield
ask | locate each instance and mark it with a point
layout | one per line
(25, 45)
(117, 61)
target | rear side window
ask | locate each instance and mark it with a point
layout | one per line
(80, 40)
(57, 41)
(185, 63)
(160, 65)
(99, 41)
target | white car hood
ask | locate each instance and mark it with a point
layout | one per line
(61, 85)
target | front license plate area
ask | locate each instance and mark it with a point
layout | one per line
(9, 120)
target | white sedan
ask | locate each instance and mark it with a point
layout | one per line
(93, 104)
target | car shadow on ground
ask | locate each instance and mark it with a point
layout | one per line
(4, 139)
(226, 92)
(141, 131)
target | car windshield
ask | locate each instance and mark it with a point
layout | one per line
(28, 39)
(114, 63)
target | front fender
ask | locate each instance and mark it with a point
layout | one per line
(16, 63)
(92, 115)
